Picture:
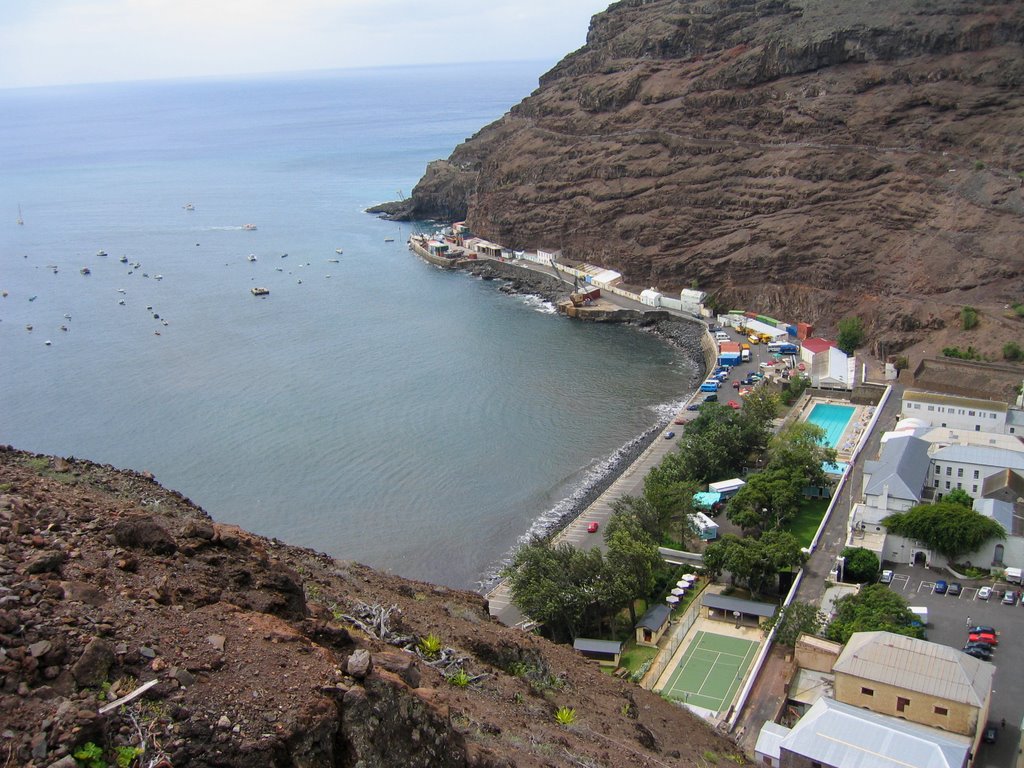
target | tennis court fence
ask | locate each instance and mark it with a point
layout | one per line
(675, 639)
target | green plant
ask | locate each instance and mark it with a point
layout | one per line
(961, 354)
(968, 318)
(90, 755)
(1012, 351)
(1018, 309)
(126, 756)
(902, 363)
(460, 679)
(430, 646)
(565, 716)
(978, 165)
(710, 756)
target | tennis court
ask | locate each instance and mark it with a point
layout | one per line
(711, 671)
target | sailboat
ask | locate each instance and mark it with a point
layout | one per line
(20, 220)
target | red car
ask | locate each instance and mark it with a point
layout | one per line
(983, 637)
(733, 404)
(679, 420)
(592, 527)
(735, 385)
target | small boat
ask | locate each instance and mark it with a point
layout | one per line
(101, 252)
(67, 316)
(120, 302)
(251, 257)
(21, 221)
(123, 259)
(47, 342)
(85, 271)
(389, 239)
(333, 261)
(28, 327)
(33, 297)
(121, 290)
(249, 227)
(284, 255)
(63, 327)
(260, 291)
(158, 277)
(338, 251)
(188, 207)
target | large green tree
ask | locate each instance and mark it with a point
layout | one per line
(562, 587)
(769, 499)
(861, 565)
(851, 334)
(875, 607)
(635, 513)
(950, 528)
(800, 446)
(753, 562)
(632, 562)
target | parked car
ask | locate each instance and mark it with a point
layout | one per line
(712, 398)
(955, 588)
(592, 526)
(983, 637)
(734, 405)
(669, 435)
(680, 419)
(736, 385)
(886, 577)
(693, 407)
(981, 628)
(985, 593)
(940, 587)
(1010, 597)
(980, 644)
(979, 653)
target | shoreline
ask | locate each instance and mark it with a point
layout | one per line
(680, 333)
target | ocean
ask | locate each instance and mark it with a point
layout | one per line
(371, 406)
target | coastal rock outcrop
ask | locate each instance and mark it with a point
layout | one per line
(205, 645)
(807, 159)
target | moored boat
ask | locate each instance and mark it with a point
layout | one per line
(260, 291)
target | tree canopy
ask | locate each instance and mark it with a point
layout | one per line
(949, 528)
(769, 499)
(861, 565)
(753, 563)
(794, 620)
(874, 608)
(801, 446)
(851, 334)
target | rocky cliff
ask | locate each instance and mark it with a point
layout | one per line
(244, 651)
(807, 158)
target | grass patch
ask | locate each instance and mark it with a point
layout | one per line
(633, 655)
(807, 520)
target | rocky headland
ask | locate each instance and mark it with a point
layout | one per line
(244, 651)
(803, 158)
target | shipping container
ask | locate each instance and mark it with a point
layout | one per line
(791, 330)
(735, 312)
(804, 331)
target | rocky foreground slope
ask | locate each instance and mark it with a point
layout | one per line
(807, 158)
(262, 654)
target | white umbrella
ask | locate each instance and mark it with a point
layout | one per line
(689, 578)
(683, 583)
(672, 599)
(678, 591)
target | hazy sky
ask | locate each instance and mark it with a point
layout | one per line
(45, 42)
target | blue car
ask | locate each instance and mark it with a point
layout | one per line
(693, 407)
(940, 587)
(669, 435)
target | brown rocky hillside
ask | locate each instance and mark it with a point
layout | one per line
(805, 158)
(256, 653)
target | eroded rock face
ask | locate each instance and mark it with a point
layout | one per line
(805, 158)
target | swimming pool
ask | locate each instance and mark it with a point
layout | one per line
(833, 419)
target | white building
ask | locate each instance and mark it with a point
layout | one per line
(833, 369)
(692, 301)
(965, 413)
(894, 482)
(968, 466)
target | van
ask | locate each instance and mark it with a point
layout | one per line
(709, 386)
(1013, 575)
(721, 336)
(921, 613)
(745, 355)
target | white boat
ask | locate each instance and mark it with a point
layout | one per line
(249, 227)
(260, 291)
(20, 220)
(252, 257)
(188, 207)
(337, 251)
(333, 261)
(123, 259)
(101, 252)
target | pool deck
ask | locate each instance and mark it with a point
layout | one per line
(854, 431)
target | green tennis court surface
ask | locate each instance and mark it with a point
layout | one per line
(711, 671)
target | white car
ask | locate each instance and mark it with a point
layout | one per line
(985, 593)
(886, 577)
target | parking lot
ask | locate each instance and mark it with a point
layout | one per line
(948, 618)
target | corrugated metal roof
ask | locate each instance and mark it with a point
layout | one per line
(916, 665)
(903, 466)
(724, 603)
(589, 645)
(655, 618)
(814, 346)
(769, 738)
(834, 733)
(981, 454)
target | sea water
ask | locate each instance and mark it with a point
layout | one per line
(371, 406)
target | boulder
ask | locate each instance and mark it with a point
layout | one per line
(144, 533)
(93, 666)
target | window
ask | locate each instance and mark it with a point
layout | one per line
(975, 474)
(867, 691)
(970, 413)
(931, 407)
(960, 485)
(936, 483)
(941, 711)
(902, 704)
(947, 485)
(949, 471)
(959, 471)
(938, 469)
(974, 489)
(977, 427)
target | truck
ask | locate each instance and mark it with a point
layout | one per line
(1013, 575)
(745, 354)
